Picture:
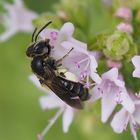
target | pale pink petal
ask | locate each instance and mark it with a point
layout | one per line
(67, 118)
(127, 102)
(108, 105)
(136, 61)
(119, 83)
(67, 30)
(93, 63)
(136, 113)
(112, 74)
(136, 73)
(120, 121)
(35, 80)
(50, 102)
(47, 33)
(95, 77)
(79, 44)
(77, 47)
(95, 95)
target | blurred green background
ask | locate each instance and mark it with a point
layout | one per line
(21, 117)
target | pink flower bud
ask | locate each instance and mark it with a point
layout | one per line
(125, 27)
(124, 13)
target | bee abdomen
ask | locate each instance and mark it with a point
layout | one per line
(77, 89)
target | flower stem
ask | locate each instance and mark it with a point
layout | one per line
(52, 121)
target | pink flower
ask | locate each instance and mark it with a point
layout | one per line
(124, 13)
(136, 63)
(18, 18)
(111, 90)
(80, 61)
(62, 40)
(123, 117)
(51, 101)
(125, 27)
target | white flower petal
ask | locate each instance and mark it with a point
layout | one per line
(136, 73)
(95, 77)
(119, 83)
(50, 102)
(136, 61)
(95, 95)
(46, 33)
(67, 118)
(127, 102)
(67, 30)
(80, 44)
(112, 74)
(120, 121)
(35, 80)
(93, 63)
(77, 48)
(136, 114)
(108, 105)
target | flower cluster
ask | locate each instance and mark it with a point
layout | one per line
(17, 19)
(110, 87)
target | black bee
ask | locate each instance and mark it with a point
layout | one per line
(45, 67)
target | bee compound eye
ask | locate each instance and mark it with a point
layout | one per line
(29, 51)
(41, 48)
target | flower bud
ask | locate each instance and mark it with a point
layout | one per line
(118, 45)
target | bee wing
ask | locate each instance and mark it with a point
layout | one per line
(63, 94)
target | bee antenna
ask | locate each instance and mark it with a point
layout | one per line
(42, 30)
(34, 34)
(61, 59)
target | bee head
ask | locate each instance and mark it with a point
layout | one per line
(39, 49)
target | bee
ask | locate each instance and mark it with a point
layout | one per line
(45, 67)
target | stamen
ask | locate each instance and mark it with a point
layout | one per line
(81, 61)
(88, 85)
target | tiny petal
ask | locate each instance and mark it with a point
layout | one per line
(67, 118)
